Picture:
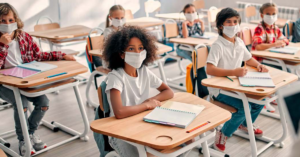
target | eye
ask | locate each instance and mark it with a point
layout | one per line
(2, 20)
(11, 20)
(141, 48)
(130, 49)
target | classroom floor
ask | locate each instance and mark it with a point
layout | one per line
(64, 109)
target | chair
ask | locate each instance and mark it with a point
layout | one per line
(152, 6)
(199, 4)
(94, 43)
(246, 36)
(128, 14)
(288, 29)
(49, 26)
(250, 13)
(211, 16)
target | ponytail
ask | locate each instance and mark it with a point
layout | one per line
(107, 21)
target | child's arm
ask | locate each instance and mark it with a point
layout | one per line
(264, 46)
(253, 62)
(258, 43)
(185, 32)
(215, 71)
(165, 93)
(201, 24)
(121, 111)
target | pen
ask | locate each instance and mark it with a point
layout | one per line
(229, 78)
(56, 75)
(198, 127)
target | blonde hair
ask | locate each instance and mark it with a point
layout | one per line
(261, 10)
(5, 8)
(112, 9)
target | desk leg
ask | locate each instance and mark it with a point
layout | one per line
(22, 120)
(249, 124)
(205, 147)
(161, 70)
(50, 45)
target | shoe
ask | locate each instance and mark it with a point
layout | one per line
(220, 141)
(257, 131)
(269, 108)
(37, 143)
(22, 148)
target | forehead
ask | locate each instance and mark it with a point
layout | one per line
(118, 13)
(191, 8)
(234, 18)
(270, 10)
(135, 41)
(9, 15)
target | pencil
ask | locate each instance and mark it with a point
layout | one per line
(229, 78)
(189, 131)
(245, 66)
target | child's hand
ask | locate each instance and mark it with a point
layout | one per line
(198, 20)
(280, 43)
(5, 39)
(262, 68)
(151, 103)
(240, 72)
(69, 58)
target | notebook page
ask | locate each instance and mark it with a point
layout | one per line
(184, 107)
(19, 72)
(38, 66)
(257, 75)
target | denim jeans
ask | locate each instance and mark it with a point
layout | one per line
(237, 118)
(183, 53)
(123, 148)
(36, 116)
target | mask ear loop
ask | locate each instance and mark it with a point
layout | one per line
(179, 15)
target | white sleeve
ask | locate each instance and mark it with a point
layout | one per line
(107, 32)
(155, 81)
(247, 54)
(113, 82)
(214, 55)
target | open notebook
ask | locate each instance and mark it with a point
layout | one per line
(286, 50)
(174, 114)
(28, 69)
(257, 79)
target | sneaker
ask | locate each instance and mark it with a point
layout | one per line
(37, 143)
(220, 141)
(269, 108)
(22, 148)
(257, 131)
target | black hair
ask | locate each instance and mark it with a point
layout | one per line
(117, 43)
(225, 14)
(187, 6)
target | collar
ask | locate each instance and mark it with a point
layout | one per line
(225, 41)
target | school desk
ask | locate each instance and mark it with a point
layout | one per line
(145, 22)
(157, 139)
(280, 22)
(71, 33)
(39, 84)
(255, 95)
(284, 60)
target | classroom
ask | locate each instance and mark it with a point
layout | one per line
(149, 78)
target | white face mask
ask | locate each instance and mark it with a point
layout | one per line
(270, 19)
(117, 22)
(231, 31)
(135, 59)
(8, 28)
(190, 17)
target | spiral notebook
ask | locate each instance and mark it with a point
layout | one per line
(174, 114)
(256, 79)
(285, 50)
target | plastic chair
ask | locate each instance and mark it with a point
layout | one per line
(152, 6)
(250, 12)
(211, 16)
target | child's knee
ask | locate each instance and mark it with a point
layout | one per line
(45, 108)
(25, 109)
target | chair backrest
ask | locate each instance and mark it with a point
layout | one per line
(250, 11)
(95, 42)
(100, 97)
(152, 6)
(288, 29)
(212, 14)
(199, 4)
(246, 36)
(47, 26)
(170, 29)
(199, 57)
(128, 15)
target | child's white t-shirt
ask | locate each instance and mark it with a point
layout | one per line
(13, 57)
(134, 90)
(227, 55)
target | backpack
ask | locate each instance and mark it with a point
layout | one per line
(296, 31)
(102, 140)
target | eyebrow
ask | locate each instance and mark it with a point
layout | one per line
(134, 45)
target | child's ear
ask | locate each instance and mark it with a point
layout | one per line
(262, 16)
(122, 55)
(109, 17)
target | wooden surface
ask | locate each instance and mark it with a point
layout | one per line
(42, 88)
(145, 22)
(195, 41)
(62, 33)
(72, 68)
(2, 154)
(161, 136)
(48, 26)
(279, 77)
(285, 57)
(280, 22)
(248, 25)
(161, 50)
(176, 16)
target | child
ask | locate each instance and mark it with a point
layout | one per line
(268, 35)
(18, 47)
(225, 59)
(116, 18)
(191, 26)
(128, 52)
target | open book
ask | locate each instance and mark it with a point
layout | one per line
(285, 50)
(257, 79)
(174, 114)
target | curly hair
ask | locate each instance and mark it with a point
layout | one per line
(117, 43)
